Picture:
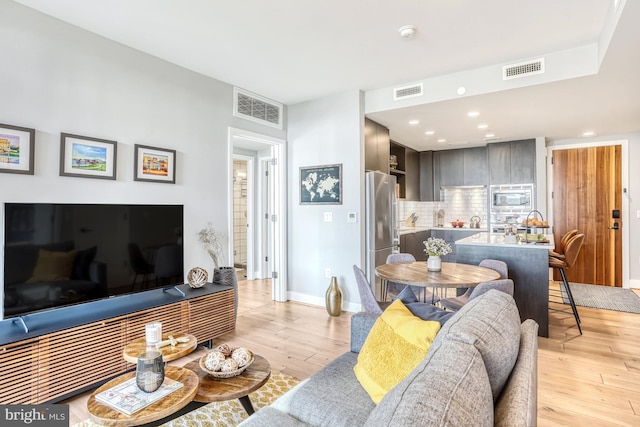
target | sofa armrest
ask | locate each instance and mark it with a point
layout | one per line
(361, 324)
(517, 405)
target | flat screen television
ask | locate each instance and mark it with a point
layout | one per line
(59, 254)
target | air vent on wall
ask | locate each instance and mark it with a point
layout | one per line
(256, 108)
(523, 69)
(407, 92)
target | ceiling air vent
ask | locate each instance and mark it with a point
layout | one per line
(523, 69)
(256, 108)
(407, 92)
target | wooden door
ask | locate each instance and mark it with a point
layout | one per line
(587, 189)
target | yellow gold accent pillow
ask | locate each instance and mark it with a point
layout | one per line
(53, 266)
(396, 344)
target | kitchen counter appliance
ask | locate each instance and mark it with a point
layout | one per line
(509, 204)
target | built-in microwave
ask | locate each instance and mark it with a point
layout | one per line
(512, 199)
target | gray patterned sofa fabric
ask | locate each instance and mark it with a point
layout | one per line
(481, 370)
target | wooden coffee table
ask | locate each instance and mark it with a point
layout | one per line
(238, 387)
(135, 347)
(107, 416)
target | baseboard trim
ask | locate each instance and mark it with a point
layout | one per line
(319, 301)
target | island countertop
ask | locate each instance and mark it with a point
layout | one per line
(497, 240)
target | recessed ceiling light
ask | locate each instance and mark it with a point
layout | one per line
(489, 135)
(462, 90)
(473, 114)
(588, 134)
(442, 140)
(483, 126)
(414, 122)
(429, 132)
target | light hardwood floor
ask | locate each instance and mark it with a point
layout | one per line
(593, 379)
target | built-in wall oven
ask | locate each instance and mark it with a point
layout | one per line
(510, 204)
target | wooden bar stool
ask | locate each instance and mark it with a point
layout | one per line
(566, 261)
(559, 253)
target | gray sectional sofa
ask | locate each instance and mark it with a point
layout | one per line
(481, 370)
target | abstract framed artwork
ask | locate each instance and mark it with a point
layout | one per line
(154, 164)
(86, 157)
(321, 185)
(17, 146)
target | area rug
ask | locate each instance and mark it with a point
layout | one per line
(229, 413)
(604, 297)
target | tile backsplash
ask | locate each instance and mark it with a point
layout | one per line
(458, 204)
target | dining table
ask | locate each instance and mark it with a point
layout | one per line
(452, 275)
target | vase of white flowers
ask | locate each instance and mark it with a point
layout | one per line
(435, 248)
(212, 242)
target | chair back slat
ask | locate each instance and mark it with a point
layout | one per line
(573, 249)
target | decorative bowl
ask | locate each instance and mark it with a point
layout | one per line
(229, 374)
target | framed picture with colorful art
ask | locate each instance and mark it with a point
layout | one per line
(154, 164)
(16, 149)
(86, 157)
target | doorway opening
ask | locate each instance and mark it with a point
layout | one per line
(257, 217)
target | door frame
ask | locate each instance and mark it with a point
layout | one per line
(278, 202)
(624, 143)
(251, 229)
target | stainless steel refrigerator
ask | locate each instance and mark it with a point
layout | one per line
(380, 224)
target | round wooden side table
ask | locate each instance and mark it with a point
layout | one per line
(238, 387)
(169, 353)
(171, 403)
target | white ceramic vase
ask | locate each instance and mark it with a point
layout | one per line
(434, 263)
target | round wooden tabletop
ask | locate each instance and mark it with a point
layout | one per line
(169, 353)
(173, 402)
(452, 275)
(219, 389)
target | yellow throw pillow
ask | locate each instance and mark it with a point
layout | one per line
(396, 344)
(53, 266)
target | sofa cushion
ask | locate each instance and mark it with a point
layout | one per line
(53, 266)
(492, 325)
(517, 405)
(333, 396)
(397, 343)
(423, 310)
(449, 388)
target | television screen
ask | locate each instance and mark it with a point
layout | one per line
(62, 254)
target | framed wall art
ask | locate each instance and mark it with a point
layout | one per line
(17, 145)
(321, 185)
(86, 157)
(154, 164)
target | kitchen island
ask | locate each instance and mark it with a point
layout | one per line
(528, 265)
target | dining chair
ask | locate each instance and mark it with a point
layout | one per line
(567, 261)
(456, 303)
(560, 250)
(395, 288)
(367, 298)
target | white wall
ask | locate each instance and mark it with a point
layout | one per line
(58, 78)
(326, 131)
(632, 229)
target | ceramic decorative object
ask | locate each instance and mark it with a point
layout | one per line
(197, 277)
(434, 263)
(149, 371)
(333, 298)
(227, 276)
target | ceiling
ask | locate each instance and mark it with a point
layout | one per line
(292, 52)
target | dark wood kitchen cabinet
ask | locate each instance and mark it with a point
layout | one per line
(512, 162)
(476, 170)
(412, 243)
(407, 172)
(377, 145)
(451, 165)
(427, 190)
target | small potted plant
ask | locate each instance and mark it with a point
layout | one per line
(212, 241)
(435, 248)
